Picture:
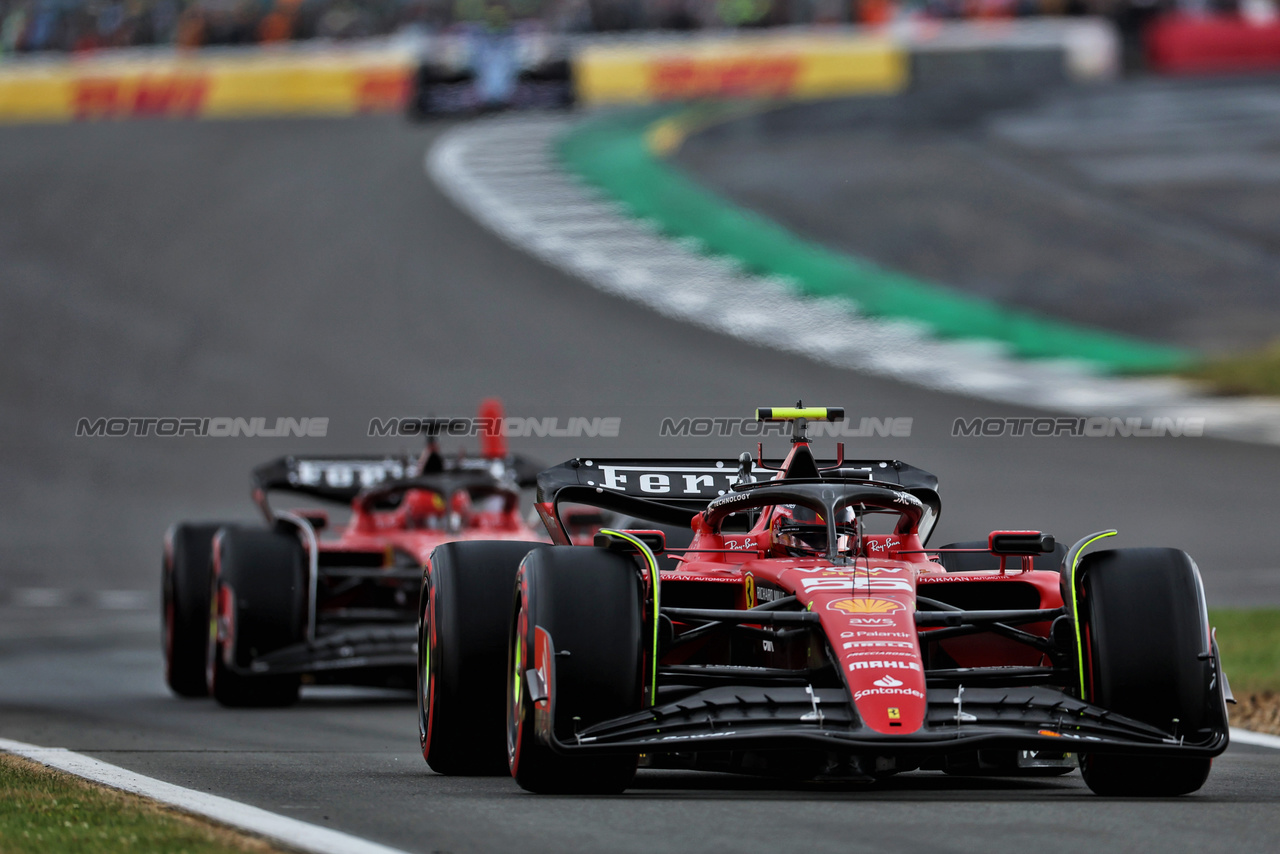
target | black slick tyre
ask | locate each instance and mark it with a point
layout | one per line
(463, 630)
(577, 626)
(185, 582)
(258, 605)
(1145, 631)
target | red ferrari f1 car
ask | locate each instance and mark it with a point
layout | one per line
(807, 631)
(252, 612)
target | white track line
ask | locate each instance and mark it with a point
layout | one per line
(53, 597)
(1257, 739)
(289, 832)
(549, 214)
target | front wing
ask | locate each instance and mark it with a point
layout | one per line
(1022, 718)
(384, 647)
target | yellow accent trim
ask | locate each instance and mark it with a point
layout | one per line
(785, 413)
(654, 581)
(1075, 607)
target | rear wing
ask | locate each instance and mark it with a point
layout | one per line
(673, 491)
(338, 479)
(341, 479)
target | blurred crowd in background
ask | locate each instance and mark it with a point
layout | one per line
(28, 26)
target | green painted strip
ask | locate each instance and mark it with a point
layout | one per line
(611, 152)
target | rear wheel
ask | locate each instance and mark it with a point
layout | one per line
(463, 630)
(258, 606)
(185, 584)
(576, 651)
(1145, 631)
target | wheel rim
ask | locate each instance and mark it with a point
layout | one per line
(221, 630)
(515, 687)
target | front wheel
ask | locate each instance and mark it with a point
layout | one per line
(462, 655)
(576, 654)
(1143, 776)
(1146, 639)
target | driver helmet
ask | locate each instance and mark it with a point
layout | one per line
(802, 532)
(460, 509)
(421, 507)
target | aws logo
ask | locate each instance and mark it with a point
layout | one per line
(865, 606)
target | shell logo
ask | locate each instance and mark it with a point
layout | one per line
(866, 606)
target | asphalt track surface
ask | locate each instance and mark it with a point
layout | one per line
(309, 268)
(1148, 208)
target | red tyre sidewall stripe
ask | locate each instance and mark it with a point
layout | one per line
(429, 629)
(167, 589)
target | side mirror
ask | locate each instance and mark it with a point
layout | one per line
(655, 540)
(1021, 543)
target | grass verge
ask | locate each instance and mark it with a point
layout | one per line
(1249, 641)
(1250, 645)
(1248, 373)
(43, 810)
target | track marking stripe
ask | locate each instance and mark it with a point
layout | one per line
(615, 152)
(1257, 739)
(289, 832)
(597, 240)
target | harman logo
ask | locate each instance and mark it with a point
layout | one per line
(865, 606)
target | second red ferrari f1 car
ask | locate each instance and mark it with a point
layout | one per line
(808, 631)
(252, 611)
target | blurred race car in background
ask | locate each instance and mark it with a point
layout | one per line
(484, 68)
(809, 633)
(250, 612)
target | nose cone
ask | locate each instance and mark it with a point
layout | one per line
(874, 637)
(868, 616)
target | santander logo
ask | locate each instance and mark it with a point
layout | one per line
(887, 681)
